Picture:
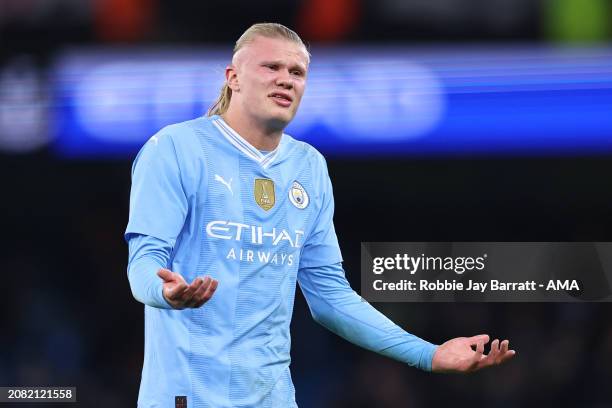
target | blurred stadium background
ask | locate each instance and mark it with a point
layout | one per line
(442, 120)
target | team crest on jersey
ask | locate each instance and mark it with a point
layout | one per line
(264, 193)
(298, 196)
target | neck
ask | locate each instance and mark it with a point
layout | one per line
(260, 135)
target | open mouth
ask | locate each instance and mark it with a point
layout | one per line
(281, 98)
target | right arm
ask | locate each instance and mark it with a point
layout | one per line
(147, 255)
(158, 209)
(164, 289)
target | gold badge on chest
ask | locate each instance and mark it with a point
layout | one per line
(264, 193)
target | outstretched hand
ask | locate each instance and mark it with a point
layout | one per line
(457, 355)
(181, 295)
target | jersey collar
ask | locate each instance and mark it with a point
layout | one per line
(265, 160)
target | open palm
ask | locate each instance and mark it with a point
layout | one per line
(457, 355)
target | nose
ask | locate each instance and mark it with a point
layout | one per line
(284, 79)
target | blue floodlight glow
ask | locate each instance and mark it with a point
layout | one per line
(514, 101)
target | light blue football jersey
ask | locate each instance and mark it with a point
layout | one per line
(249, 220)
(206, 202)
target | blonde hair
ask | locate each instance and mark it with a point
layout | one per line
(270, 30)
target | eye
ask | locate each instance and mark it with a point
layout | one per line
(273, 67)
(297, 72)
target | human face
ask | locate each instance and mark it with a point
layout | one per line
(268, 77)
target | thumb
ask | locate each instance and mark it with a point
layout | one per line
(481, 338)
(166, 274)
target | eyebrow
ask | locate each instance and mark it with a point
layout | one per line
(278, 62)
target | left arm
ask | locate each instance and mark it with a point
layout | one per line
(337, 307)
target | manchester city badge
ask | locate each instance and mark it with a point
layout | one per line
(298, 196)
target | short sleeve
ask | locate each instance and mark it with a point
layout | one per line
(158, 202)
(321, 247)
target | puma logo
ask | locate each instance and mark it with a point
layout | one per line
(225, 183)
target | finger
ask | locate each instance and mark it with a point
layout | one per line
(473, 363)
(196, 284)
(507, 356)
(209, 292)
(504, 347)
(200, 291)
(481, 338)
(166, 274)
(485, 360)
(506, 353)
(494, 352)
(202, 288)
(174, 291)
(495, 346)
(191, 289)
(479, 350)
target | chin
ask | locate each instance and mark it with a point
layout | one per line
(280, 120)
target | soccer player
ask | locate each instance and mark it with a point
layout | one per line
(227, 213)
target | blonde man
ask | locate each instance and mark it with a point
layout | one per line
(228, 205)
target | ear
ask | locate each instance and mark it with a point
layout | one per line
(231, 77)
